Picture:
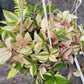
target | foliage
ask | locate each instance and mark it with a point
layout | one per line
(31, 52)
(18, 5)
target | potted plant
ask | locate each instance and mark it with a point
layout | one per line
(31, 52)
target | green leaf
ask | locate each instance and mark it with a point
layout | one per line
(63, 38)
(48, 75)
(81, 38)
(59, 66)
(2, 46)
(3, 22)
(55, 32)
(52, 7)
(42, 37)
(61, 80)
(13, 23)
(43, 54)
(61, 32)
(37, 5)
(25, 73)
(33, 44)
(29, 60)
(51, 81)
(18, 67)
(1, 31)
(29, 16)
(47, 8)
(11, 34)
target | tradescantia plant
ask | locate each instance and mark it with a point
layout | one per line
(31, 52)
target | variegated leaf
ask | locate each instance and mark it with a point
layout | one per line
(42, 70)
(33, 70)
(43, 25)
(25, 50)
(38, 47)
(77, 73)
(52, 58)
(8, 42)
(70, 59)
(37, 37)
(43, 56)
(10, 16)
(55, 52)
(81, 37)
(38, 18)
(27, 37)
(65, 14)
(5, 54)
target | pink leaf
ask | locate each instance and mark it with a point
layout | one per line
(66, 24)
(67, 54)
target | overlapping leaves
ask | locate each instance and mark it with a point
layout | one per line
(31, 52)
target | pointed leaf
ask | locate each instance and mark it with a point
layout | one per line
(77, 73)
(59, 66)
(61, 80)
(25, 50)
(51, 81)
(39, 80)
(5, 54)
(3, 35)
(42, 70)
(9, 16)
(33, 70)
(43, 25)
(70, 58)
(43, 56)
(52, 58)
(27, 37)
(38, 18)
(63, 38)
(11, 34)
(12, 73)
(38, 47)
(8, 42)
(37, 37)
